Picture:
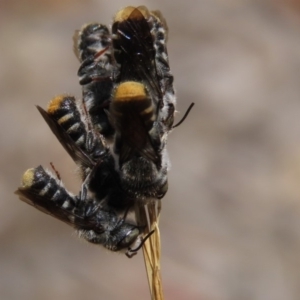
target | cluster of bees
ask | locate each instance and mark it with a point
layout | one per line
(116, 134)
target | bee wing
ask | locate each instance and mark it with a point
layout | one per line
(45, 205)
(137, 46)
(74, 217)
(129, 149)
(79, 156)
(135, 52)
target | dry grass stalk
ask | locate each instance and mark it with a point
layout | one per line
(149, 214)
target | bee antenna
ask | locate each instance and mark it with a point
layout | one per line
(185, 115)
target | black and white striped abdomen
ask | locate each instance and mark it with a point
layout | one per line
(92, 46)
(64, 110)
(159, 33)
(92, 40)
(42, 190)
(131, 101)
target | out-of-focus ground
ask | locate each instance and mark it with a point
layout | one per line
(230, 223)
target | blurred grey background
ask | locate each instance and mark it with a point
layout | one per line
(230, 223)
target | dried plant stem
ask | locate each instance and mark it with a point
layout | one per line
(149, 214)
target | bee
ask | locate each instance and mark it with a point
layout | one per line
(71, 125)
(92, 47)
(143, 101)
(141, 104)
(94, 222)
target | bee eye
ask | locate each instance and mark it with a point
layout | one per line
(163, 190)
(129, 238)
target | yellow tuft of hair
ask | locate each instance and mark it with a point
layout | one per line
(130, 90)
(55, 103)
(28, 178)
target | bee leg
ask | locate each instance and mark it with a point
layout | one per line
(125, 213)
(90, 142)
(131, 252)
(96, 146)
(82, 196)
(130, 255)
(85, 69)
(89, 174)
(84, 186)
(93, 68)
